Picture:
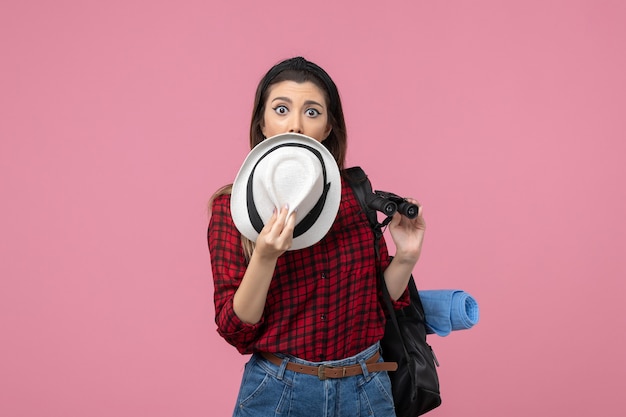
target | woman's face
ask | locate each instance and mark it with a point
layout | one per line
(293, 107)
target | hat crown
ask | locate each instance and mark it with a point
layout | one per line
(287, 177)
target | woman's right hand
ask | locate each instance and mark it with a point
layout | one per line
(273, 241)
(277, 235)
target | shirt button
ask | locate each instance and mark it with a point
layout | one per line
(323, 317)
(323, 275)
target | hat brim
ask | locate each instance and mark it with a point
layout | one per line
(239, 197)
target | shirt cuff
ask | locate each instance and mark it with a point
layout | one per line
(235, 331)
(403, 301)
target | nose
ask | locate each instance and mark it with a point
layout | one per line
(295, 124)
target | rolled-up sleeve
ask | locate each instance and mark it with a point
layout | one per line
(228, 266)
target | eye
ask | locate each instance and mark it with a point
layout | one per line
(281, 109)
(312, 113)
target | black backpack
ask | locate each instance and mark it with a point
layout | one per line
(415, 385)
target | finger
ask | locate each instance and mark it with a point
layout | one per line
(286, 235)
(290, 224)
(396, 219)
(270, 223)
(281, 217)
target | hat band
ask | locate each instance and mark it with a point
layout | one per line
(309, 220)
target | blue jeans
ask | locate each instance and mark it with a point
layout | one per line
(269, 390)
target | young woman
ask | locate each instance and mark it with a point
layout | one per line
(312, 318)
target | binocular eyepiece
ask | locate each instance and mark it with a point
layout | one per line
(389, 203)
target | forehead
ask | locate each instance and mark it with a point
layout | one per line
(295, 90)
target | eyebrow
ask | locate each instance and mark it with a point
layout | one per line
(288, 100)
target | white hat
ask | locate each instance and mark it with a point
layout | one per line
(287, 169)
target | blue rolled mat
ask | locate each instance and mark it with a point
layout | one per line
(448, 310)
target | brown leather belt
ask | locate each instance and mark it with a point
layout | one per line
(323, 372)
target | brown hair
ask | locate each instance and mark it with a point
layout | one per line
(299, 70)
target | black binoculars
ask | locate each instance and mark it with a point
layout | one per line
(390, 203)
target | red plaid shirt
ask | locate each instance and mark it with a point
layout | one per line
(324, 301)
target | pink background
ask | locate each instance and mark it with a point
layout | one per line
(119, 119)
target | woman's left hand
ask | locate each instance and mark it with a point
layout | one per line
(408, 234)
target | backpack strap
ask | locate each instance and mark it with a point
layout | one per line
(361, 185)
(357, 178)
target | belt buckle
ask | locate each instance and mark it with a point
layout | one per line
(320, 372)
